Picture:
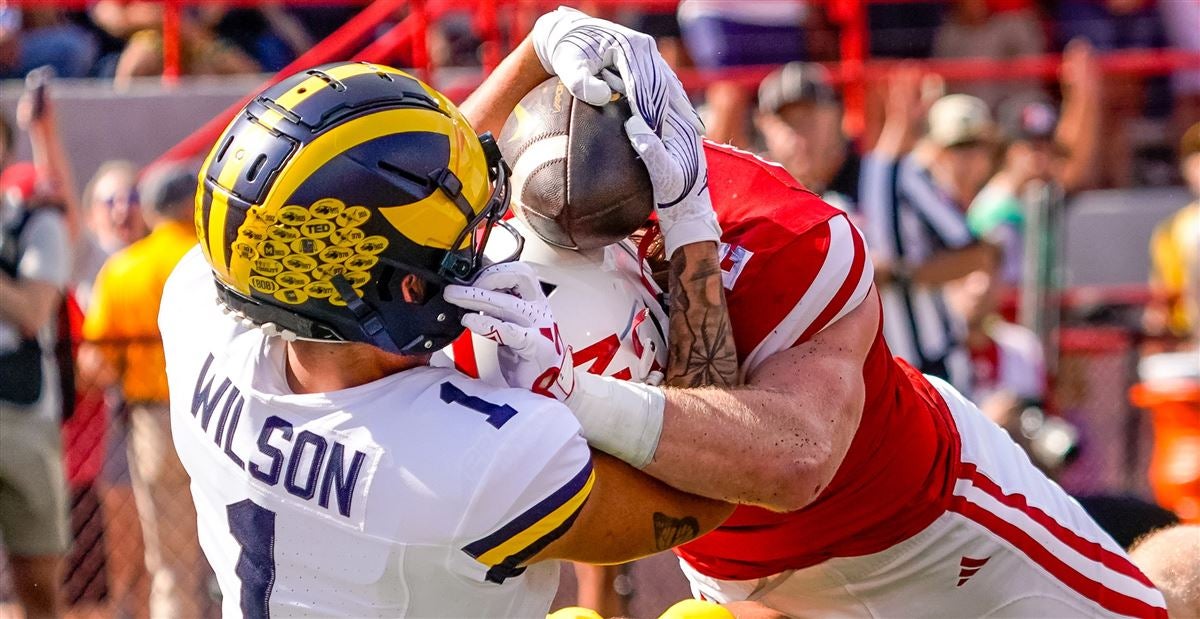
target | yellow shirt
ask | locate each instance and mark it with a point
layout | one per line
(1175, 253)
(123, 316)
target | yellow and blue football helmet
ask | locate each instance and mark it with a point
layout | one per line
(331, 186)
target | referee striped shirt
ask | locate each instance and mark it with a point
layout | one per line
(909, 220)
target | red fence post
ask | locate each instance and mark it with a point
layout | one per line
(855, 50)
(171, 43)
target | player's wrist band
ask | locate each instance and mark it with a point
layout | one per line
(618, 417)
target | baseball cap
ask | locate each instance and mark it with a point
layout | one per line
(959, 119)
(165, 186)
(796, 82)
(1190, 144)
(1028, 120)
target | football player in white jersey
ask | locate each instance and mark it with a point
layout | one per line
(335, 473)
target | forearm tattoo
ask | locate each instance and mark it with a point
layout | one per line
(701, 347)
(670, 532)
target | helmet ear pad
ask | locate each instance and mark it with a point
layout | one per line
(412, 311)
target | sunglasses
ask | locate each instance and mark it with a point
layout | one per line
(110, 202)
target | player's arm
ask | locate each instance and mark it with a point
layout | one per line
(949, 265)
(489, 106)
(631, 515)
(546, 495)
(27, 303)
(701, 346)
(777, 441)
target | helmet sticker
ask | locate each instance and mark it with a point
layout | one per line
(283, 233)
(293, 279)
(347, 237)
(295, 257)
(319, 290)
(292, 296)
(272, 249)
(328, 208)
(361, 262)
(353, 216)
(293, 215)
(266, 266)
(335, 254)
(373, 245)
(317, 229)
(308, 247)
(299, 262)
(263, 284)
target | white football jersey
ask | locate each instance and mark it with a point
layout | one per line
(419, 494)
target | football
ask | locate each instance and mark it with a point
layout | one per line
(577, 182)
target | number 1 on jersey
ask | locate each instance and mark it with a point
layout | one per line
(253, 527)
(497, 414)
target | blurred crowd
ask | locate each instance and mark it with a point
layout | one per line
(960, 189)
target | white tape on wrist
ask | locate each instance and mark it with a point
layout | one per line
(618, 417)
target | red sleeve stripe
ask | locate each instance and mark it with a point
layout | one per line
(853, 290)
(1099, 575)
(816, 296)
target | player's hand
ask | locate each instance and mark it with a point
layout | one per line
(679, 174)
(595, 57)
(515, 313)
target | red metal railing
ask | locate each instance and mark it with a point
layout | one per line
(407, 39)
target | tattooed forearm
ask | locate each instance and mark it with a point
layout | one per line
(670, 532)
(701, 345)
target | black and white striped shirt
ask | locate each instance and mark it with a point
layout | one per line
(908, 220)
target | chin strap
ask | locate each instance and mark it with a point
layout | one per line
(368, 319)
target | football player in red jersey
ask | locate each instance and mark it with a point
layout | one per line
(866, 489)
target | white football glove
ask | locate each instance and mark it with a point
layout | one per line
(582, 51)
(679, 174)
(516, 314)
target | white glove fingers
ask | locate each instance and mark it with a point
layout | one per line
(613, 80)
(499, 331)
(498, 304)
(661, 166)
(517, 277)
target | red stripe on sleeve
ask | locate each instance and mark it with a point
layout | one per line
(1107, 598)
(1087, 548)
(857, 264)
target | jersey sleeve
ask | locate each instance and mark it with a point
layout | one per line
(537, 483)
(798, 289)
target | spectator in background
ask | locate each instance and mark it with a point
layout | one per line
(1170, 558)
(800, 119)
(914, 208)
(729, 33)
(140, 23)
(36, 37)
(34, 266)
(1009, 377)
(1040, 149)
(122, 326)
(114, 220)
(993, 30)
(1175, 256)
(1115, 25)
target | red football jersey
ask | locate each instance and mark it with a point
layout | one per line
(792, 265)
